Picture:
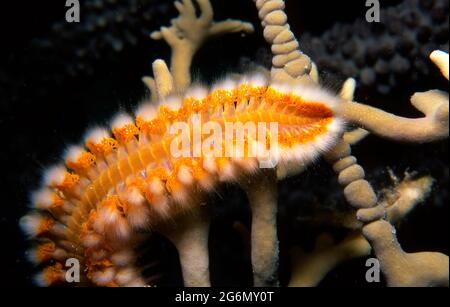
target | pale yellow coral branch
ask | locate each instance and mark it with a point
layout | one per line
(403, 269)
(441, 59)
(163, 79)
(188, 32)
(434, 104)
(310, 268)
(262, 196)
(190, 237)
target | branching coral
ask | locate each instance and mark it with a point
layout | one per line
(188, 32)
(309, 268)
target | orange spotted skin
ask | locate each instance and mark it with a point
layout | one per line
(133, 181)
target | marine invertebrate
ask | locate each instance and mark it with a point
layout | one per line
(123, 185)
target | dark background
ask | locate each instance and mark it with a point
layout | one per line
(58, 79)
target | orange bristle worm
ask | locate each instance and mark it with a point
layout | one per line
(121, 182)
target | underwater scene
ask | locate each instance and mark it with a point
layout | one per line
(225, 143)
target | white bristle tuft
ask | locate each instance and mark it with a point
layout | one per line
(181, 196)
(125, 276)
(146, 111)
(104, 277)
(156, 186)
(121, 120)
(197, 92)
(96, 135)
(250, 165)
(227, 85)
(259, 80)
(30, 224)
(73, 153)
(42, 199)
(134, 197)
(282, 88)
(228, 172)
(109, 215)
(210, 165)
(161, 206)
(122, 258)
(138, 216)
(185, 176)
(121, 229)
(54, 175)
(337, 126)
(32, 256)
(40, 280)
(316, 94)
(173, 103)
(256, 80)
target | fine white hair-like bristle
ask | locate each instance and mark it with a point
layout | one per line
(307, 153)
(40, 280)
(146, 111)
(181, 196)
(42, 199)
(282, 88)
(109, 215)
(256, 80)
(185, 176)
(173, 103)
(96, 135)
(315, 93)
(104, 277)
(228, 172)
(209, 164)
(125, 276)
(161, 207)
(134, 197)
(122, 258)
(138, 216)
(54, 175)
(73, 153)
(32, 256)
(31, 223)
(156, 186)
(337, 126)
(226, 84)
(197, 92)
(250, 165)
(121, 120)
